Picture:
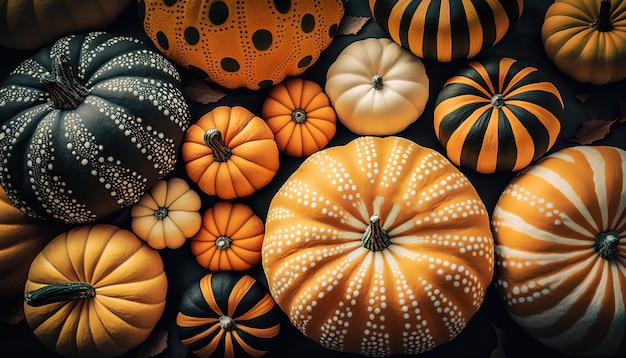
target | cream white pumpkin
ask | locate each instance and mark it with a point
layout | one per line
(377, 87)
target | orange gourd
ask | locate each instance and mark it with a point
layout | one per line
(230, 152)
(300, 115)
(379, 238)
(230, 238)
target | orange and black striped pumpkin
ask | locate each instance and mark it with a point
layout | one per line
(228, 314)
(559, 228)
(446, 30)
(497, 115)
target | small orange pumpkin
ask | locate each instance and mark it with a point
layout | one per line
(230, 238)
(299, 113)
(230, 152)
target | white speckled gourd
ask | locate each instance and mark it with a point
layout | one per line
(88, 125)
(559, 228)
(378, 247)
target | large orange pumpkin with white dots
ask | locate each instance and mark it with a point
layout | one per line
(378, 247)
(249, 43)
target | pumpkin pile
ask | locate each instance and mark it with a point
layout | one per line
(221, 178)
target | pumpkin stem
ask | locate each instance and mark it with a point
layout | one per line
(377, 81)
(227, 323)
(59, 292)
(161, 213)
(606, 244)
(213, 139)
(65, 90)
(603, 22)
(497, 100)
(298, 116)
(223, 242)
(375, 238)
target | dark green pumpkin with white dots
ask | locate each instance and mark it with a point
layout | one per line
(88, 125)
(250, 43)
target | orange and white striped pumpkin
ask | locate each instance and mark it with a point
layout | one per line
(560, 254)
(378, 247)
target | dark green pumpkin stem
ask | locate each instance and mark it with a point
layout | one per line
(375, 238)
(161, 213)
(213, 139)
(59, 292)
(298, 116)
(62, 85)
(603, 22)
(606, 244)
(377, 81)
(497, 100)
(227, 323)
(223, 242)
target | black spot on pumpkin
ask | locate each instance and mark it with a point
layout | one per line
(229, 64)
(265, 83)
(332, 31)
(192, 36)
(170, 2)
(162, 40)
(307, 23)
(218, 13)
(282, 6)
(197, 70)
(305, 61)
(262, 39)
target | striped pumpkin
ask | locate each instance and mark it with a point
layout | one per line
(446, 30)
(497, 115)
(228, 314)
(560, 264)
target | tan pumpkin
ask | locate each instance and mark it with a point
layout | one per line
(378, 247)
(95, 291)
(168, 214)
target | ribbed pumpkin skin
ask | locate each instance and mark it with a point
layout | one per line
(130, 284)
(414, 294)
(497, 115)
(446, 30)
(551, 279)
(251, 43)
(78, 165)
(237, 296)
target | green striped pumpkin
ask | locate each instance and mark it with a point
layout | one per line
(446, 30)
(497, 116)
(228, 314)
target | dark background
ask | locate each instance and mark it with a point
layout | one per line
(490, 328)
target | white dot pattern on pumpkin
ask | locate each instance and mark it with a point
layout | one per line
(550, 277)
(418, 292)
(122, 137)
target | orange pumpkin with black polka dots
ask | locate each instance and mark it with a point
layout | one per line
(235, 44)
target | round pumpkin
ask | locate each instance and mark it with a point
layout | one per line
(446, 30)
(228, 314)
(586, 39)
(378, 247)
(250, 43)
(230, 152)
(497, 115)
(230, 238)
(377, 87)
(88, 125)
(31, 24)
(95, 291)
(168, 214)
(299, 113)
(560, 256)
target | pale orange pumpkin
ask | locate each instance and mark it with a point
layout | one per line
(300, 115)
(378, 247)
(230, 238)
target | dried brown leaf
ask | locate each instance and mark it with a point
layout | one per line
(199, 90)
(582, 97)
(593, 130)
(154, 345)
(351, 25)
(621, 117)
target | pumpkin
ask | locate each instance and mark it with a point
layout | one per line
(230, 152)
(300, 115)
(95, 291)
(228, 314)
(377, 87)
(586, 39)
(497, 115)
(560, 257)
(31, 24)
(230, 238)
(252, 44)
(446, 30)
(378, 247)
(168, 214)
(88, 125)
